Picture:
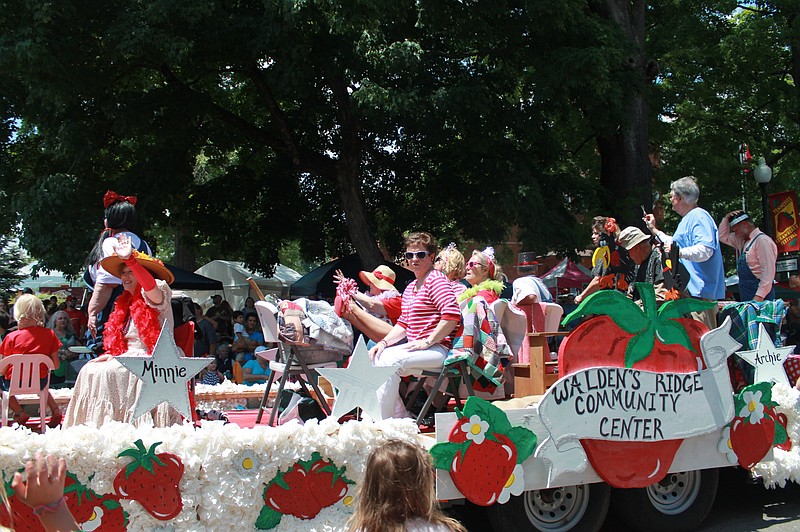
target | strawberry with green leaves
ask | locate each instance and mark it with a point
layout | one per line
(152, 480)
(756, 428)
(303, 491)
(484, 453)
(648, 338)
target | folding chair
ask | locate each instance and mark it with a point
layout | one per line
(453, 371)
(292, 364)
(25, 380)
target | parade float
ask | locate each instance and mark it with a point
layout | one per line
(643, 412)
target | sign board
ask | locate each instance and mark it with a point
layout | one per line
(783, 210)
(786, 265)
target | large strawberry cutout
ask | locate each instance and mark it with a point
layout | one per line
(756, 427)
(484, 453)
(151, 480)
(644, 338)
(302, 491)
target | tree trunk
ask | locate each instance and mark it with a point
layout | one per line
(625, 166)
(358, 226)
(185, 252)
(624, 149)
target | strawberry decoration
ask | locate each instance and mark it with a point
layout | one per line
(93, 511)
(647, 338)
(303, 491)
(151, 480)
(756, 428)
(484, 453)
(22, 516)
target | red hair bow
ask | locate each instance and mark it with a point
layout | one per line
(111, 197)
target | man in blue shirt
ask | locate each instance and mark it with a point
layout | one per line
(697, 237)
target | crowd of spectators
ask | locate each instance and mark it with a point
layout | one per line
(227, 336)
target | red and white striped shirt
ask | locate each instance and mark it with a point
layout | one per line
(423, 309)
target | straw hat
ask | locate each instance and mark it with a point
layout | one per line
(114, 265)
(383, 277)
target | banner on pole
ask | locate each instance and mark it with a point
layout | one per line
(783, 209)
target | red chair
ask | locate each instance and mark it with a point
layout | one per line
(25, 380)
(184, 339)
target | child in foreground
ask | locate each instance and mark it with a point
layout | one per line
(43, 490)
(398, 493)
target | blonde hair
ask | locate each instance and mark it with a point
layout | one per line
(30, 307)
(483, 259)
(454, 263)
(398, 487)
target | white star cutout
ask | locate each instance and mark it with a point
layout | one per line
(164, 375)
(768, 359)
(358, 383)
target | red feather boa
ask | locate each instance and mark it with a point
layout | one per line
(144, 317)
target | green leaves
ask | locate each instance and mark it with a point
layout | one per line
(523, 439)
(625, 313)
(142, 458)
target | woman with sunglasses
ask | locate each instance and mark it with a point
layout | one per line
(428, 318)
(484, 276)
(502, 322)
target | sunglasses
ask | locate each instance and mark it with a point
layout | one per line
(472, 264)
(416, 254)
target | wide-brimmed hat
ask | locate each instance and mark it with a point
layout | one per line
(630, 237)
(114, 265)
(383, 277)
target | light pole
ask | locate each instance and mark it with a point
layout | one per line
(763, 175)
(744, 164)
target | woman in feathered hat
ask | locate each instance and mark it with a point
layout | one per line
(105, 390)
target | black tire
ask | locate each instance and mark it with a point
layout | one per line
(571, 508)
(678, 503)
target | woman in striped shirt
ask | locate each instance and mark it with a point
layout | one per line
(429, 316)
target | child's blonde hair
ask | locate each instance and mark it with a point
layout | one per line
(454, 263)
(398, 486)
(31, 307)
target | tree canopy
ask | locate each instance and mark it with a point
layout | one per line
(339, 125)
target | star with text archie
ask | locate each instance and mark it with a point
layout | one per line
(164, 375)
(768, 359)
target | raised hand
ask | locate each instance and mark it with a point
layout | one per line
(123, 247)
(338, 277)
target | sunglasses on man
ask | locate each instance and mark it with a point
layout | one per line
(419, 255)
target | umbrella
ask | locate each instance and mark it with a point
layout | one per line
(319, 282)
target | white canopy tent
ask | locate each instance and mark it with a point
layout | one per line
(236, 289)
